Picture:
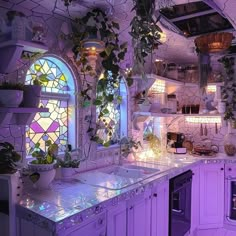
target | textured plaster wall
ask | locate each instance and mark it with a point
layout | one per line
(54, 25)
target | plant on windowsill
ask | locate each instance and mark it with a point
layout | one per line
(43, 167)
(8, 158)
(11, 94)
(32, 92)
(68, 164)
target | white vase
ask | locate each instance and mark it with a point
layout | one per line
(47, 173)
(10, 98)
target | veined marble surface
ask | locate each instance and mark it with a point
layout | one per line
(70, 202)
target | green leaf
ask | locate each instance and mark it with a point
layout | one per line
(37, 145)
(43, 78)
(48, 142)
(121, 55)
(109, 49)
(115, 25)
(97, 102)
(119, 99)
(129, 81)
(105, 111)
(110, 98)
(107, 144)
(86, 103)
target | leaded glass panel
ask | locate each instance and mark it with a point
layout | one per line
(57, 80)
(48, 125)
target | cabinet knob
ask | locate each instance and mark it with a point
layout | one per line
(222, 168)
(154, 194)
(131, 208)
(230, 169)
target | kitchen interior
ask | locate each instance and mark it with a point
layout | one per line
(117, 118)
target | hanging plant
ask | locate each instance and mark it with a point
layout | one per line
(228, 90)
(145, 32)
(96, 25)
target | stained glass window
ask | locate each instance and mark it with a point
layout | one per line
(114, 122)
(52, 125)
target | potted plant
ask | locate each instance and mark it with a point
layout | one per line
(127, 146)
(67, 164)
(8, 158)
(32, 92)
(11, 94)
(43, 167)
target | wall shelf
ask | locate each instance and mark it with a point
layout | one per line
(11, 51)
(18, 115)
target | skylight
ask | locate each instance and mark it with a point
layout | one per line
(195, 18)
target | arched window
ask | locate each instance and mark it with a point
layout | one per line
(58, 95)
(115, 120)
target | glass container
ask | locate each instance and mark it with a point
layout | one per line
(230, 142)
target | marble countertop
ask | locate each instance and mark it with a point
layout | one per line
(70, 202)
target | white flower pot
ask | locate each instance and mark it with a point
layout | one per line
(67, 172)
(10, 98)
(47, 173)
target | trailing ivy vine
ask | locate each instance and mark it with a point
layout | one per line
(228, 90)
(96, 23)
(145, 32)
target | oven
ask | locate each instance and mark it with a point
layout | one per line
(180, 204)
(230, 194)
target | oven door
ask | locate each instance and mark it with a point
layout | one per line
(180, 211)
(230, 200)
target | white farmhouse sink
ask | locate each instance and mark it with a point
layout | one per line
(121, 176)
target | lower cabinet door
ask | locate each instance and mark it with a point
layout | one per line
(160, 210)
(117, 220)
(139, 215)
(211, 195)
(94, 227)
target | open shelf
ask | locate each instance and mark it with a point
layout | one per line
(12, 50)
(18, 115)
(28, 46)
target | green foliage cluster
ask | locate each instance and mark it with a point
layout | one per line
(96, 23)
(229, 89)
(44, 157)
(144, 31)
(8, 158)
(128, 145)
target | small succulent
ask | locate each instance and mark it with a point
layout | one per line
(8, 158)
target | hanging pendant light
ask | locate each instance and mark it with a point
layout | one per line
(215, 42)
